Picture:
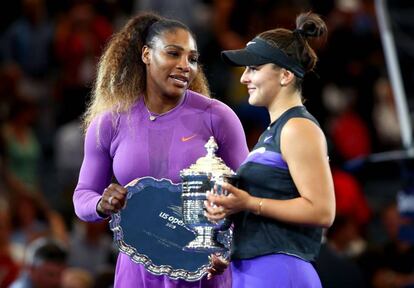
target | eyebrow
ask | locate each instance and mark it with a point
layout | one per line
(179, 48)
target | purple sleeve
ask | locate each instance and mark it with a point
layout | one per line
(229, 135)
(96, 171)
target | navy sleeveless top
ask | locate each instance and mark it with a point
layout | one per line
(265, 174)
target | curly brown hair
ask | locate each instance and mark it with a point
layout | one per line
(121, 74)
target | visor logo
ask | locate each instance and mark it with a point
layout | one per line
(250, 43)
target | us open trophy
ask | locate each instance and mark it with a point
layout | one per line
(197, 180)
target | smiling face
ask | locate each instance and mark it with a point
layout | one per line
(171, 62)
(263, 83)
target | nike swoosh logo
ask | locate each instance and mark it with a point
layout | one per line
(185, 139)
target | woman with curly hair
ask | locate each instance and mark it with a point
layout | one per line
(150, 115)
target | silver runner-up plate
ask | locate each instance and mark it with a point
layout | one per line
(151, 231)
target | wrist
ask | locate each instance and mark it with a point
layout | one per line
(100, 210)
(256, 205)
(259, 206)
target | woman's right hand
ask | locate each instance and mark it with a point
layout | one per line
(218, 264)
(113, 199)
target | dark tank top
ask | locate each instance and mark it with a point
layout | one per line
(265, 174)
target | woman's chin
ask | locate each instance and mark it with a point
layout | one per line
(252, 101)
(176, 92)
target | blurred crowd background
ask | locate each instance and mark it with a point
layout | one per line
(48, 55)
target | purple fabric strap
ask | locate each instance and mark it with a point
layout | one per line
(268, 158)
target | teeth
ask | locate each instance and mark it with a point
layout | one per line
(179, 79)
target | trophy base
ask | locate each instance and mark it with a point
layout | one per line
(205, 241)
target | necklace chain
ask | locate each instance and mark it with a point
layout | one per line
(154, 116)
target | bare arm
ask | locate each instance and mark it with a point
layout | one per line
(304, 149)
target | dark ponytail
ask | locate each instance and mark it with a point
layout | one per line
(309, 25)
(295, 43)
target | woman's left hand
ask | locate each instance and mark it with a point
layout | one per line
(221, 206)
(218, 265)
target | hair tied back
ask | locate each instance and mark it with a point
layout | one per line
(298, 32)
(306, 33)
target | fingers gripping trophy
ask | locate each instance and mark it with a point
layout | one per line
(198, 180)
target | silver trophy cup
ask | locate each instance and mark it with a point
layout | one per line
(196, 181)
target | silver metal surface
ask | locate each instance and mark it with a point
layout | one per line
(197, 180)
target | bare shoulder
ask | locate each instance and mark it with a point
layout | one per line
(301, 128)
(302, 134)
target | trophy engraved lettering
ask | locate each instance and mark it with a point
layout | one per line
(197, 180)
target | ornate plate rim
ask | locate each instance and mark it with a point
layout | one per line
(143, 259)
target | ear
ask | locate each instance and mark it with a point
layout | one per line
(286, 77)
(146, 55)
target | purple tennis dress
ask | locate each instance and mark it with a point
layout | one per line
(131, 146)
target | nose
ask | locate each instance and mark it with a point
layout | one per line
(244, 79)
(184, 64)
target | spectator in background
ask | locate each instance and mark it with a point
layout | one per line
(355, 72)
(10, 75)
(347, 129)
(350, 198)
(29, 219)
(91, 247)
(335, 267)
(9, 268)
(194, 13)
(68, 148)
(349, 239)
(390, 265)
(77, 278)
(28, 41)
(32, 218)
(385, 116)
(23, 152)
(81, 34)
(45, 263)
